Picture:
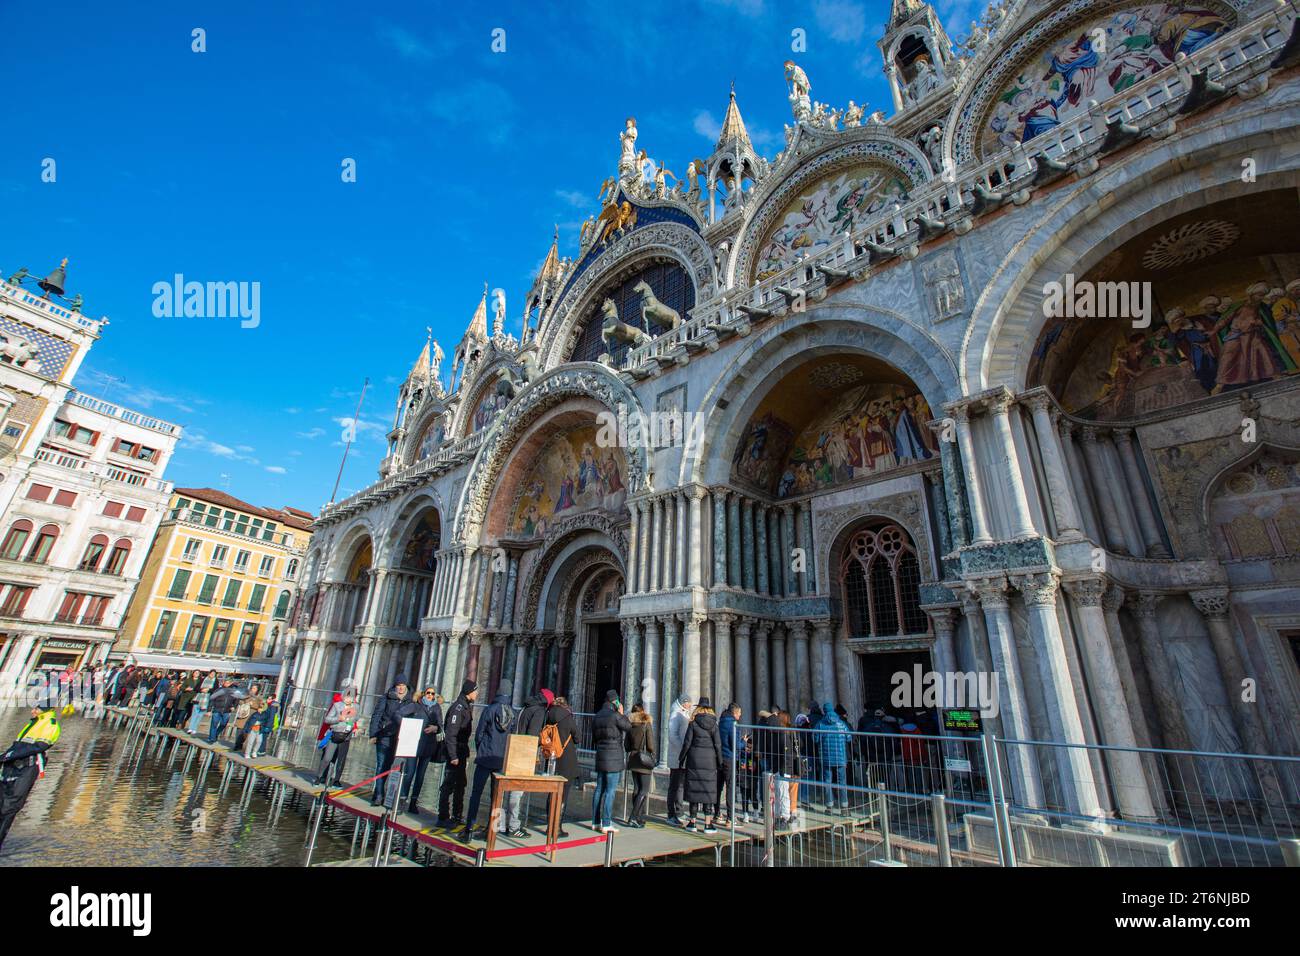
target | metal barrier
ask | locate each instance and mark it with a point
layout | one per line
(840, 798)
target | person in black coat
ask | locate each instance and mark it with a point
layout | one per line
(607, 733)
(640, 739)
(566, 765)
(428, 708)
(385, 721)
(457, 724)
(701, 759)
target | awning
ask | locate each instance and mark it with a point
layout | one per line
(179, 662)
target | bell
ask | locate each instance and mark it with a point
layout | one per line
(54, 281)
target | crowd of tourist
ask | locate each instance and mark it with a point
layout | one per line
(815, 755)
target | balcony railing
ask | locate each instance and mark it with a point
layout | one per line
(42, 304)
(102, 470)
(186, 516)
(124, 414)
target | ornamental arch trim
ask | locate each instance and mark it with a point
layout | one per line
(845, 150)
(583, 380)
(670, 239)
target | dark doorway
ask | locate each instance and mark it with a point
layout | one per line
(878, 683)
(609, 662)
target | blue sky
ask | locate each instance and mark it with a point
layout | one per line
(226, 166)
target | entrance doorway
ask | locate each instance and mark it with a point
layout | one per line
(878, 682)
(608, 675)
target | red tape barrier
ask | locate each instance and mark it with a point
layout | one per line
(546, 847)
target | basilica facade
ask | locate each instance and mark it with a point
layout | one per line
(1007, 381)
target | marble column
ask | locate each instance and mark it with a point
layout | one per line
(631, 661)
(810, 549)
(945, 652)
(1216, 608)
(1111, 601)
(780, 687)
(952, 487)
(647, 537)
(695, 549)
(970, 473)
(1169, 707)
(1026, 781)
(761, 656)
(744, 669)
(1066, 726)
(517, 677)
(669, 567)
(1138, 494)
(823, 677)
(844, 662)
(681, 541)
(1104, 489)
(719, 537)
(734, 576)
(691, 656)
(650, 688)
(656, 544)
(1008, 466)
(1109, 703)
(668, 683)
(708, 684)
(1068, 527)
(633, 568)
(803, 664)
(512, 587)
(761, 562)
(789, 586)
(747, 546)
(723, 688)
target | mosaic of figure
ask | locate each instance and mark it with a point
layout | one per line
(1094, 63)
(430, 440)
(1229, 340)
(421, 549)
(572, 474)
(490, 405)
(869, 429)
(825, 211)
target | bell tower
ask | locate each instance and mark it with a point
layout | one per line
(917, 52)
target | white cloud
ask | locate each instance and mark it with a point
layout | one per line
(276, 470)
(200, 442)
(707, 126)
(843, 20)
(575, 198)
(311, 433)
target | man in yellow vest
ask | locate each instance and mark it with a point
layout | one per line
(23, 763)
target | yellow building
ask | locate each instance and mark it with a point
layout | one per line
(217, 586)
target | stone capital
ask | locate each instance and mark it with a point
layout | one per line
(798, 630)
(1087, 592)
(999, 402)
(992, 591)
(1143, 604)
(1038, 589)
(1039, 401)
(944, 619)
(1091, 434)
(1213, 604)
(1113, 599)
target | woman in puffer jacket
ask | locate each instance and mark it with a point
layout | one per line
(702, 759)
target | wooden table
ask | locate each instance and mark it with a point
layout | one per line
(550, 784)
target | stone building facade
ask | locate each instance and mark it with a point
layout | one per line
(1005, 382)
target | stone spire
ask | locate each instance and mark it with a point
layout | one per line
(420, 370)
(734, 136)
(550, 270)
(478, 325)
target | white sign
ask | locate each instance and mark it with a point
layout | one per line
(408, 737)
(955, 764)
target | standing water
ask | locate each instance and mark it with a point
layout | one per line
(95, 808)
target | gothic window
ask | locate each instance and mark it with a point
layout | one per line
(881, 578)
(671, 286)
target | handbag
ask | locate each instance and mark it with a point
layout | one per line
(641, 760)
(340, 736)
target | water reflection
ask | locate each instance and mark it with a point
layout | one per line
(95, 808)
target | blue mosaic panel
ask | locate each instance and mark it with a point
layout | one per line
(645, 216)
(54, 354)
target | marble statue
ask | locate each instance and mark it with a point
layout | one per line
(853, 115)
(800, 104)
(627, 143)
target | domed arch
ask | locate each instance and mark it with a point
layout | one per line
(472, 414)
(1074, 234)
(828, 330)
(591, 386)
(1014, 86)
(354, 553)
(658, 242)
(415, 532)
(839, 165)
(1268, 473)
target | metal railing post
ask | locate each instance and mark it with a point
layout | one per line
(1001, 819)
(769, 819)
(886, 843)
(731, 789)
(939, 809)
(609, 849)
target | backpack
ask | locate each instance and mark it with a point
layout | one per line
(505, 718)
(549, 741)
